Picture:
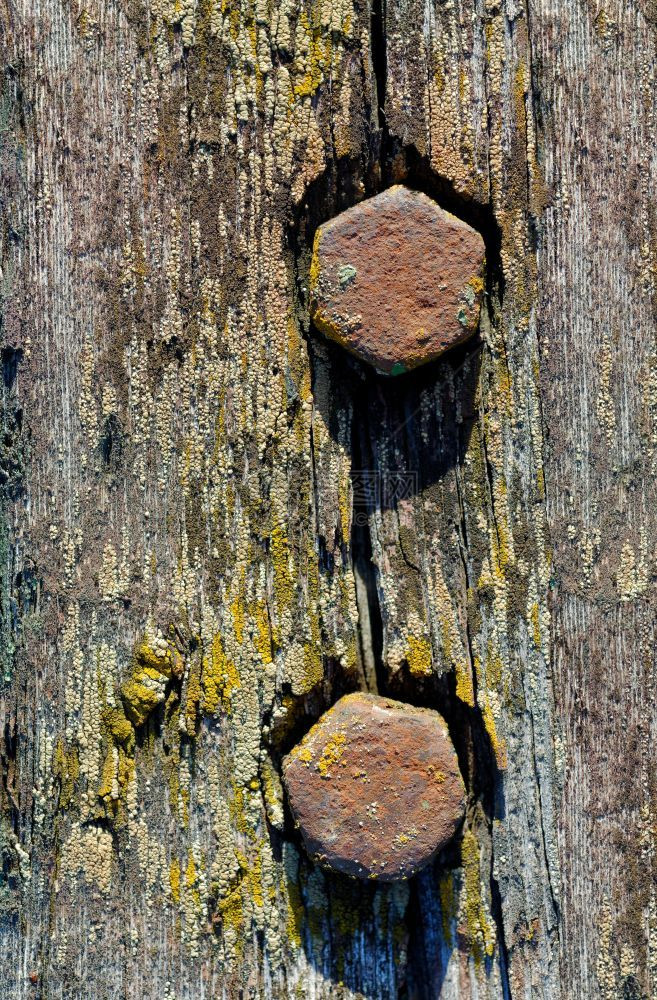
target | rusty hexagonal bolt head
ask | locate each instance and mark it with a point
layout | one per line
(397, 280)
(375, 787)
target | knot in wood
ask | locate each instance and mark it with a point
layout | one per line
(397, 280)
(375, 787)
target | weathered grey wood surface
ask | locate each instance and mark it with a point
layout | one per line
(595, 72)
(192, 568)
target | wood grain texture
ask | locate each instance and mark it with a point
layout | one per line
(595, 79)
(214, 524)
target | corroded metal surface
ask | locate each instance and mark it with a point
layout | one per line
(397, 280)
(375, 787)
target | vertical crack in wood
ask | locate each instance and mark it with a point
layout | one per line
(370, 625)
(498, 917)
(543, 835)
(379, 61)
(488, 775)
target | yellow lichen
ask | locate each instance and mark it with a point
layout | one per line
(174, 880)
(108, 776)
(194, 694)
(140, 699)
(219, 678)
(230, 909)
(302, 753)
(295, 914)
(283, 587)
(119, 729)
(476, 284)
(164, 660)
(262, 638)
(536, 624)
(331, 754)
(237, 611)
(498, 744)
(252, 872)
(313, 665)
(145, 688)
(418, 655)
(494, 667)
(480, 931)
(315, 269)
(319, 56)
(464, 683)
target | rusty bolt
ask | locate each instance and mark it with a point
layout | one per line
(397, 280)
(375, 787)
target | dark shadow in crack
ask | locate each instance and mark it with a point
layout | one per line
(405, 436)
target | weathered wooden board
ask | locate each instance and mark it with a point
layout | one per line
(214, 523)
(595, 98)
